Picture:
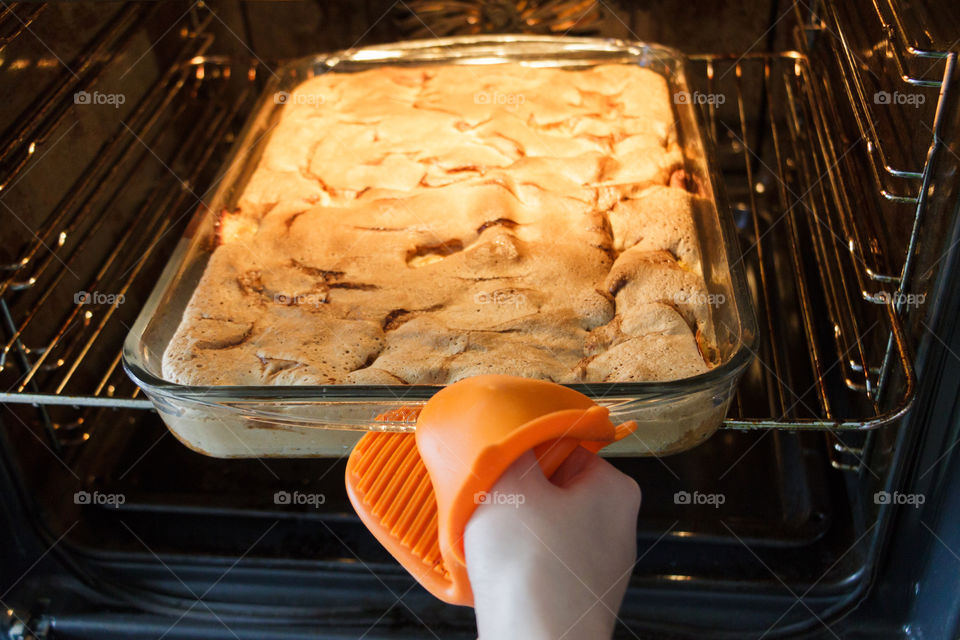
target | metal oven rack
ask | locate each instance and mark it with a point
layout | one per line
(828, 352)
(72, 276)
(809, 200)
(893, 68)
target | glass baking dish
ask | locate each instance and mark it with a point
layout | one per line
(322, 421)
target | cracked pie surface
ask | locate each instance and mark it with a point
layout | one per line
(421, 225)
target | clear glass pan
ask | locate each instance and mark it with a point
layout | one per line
(300, 421)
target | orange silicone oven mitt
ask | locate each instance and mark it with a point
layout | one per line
(416, 492)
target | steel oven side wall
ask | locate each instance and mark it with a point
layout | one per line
(917, 592)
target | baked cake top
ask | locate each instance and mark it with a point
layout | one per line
(420, 225)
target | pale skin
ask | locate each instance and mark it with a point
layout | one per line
(555, 563)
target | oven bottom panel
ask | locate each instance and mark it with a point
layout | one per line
(163, 525)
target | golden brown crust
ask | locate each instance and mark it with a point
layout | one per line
(420, 226)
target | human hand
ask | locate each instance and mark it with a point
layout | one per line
(552, 558)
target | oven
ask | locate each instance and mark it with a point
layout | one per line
(833, 485)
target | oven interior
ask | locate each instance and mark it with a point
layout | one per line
(828, 120)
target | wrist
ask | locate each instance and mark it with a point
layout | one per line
(519, 605)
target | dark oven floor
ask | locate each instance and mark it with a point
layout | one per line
(191, 525)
